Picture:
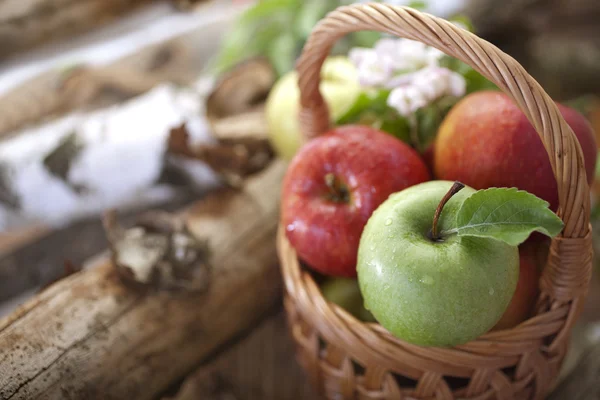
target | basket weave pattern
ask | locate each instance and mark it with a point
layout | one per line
(348, 359)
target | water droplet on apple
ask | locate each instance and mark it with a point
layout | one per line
(372, 248)
(491, 292)
(428, 280)
(388, 222)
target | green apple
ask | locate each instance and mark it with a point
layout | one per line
(345, 293)
(339, 86)
(426, 289)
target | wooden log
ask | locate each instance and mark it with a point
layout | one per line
(92, 336)
(13, 240)
(56, 93)
(27, 23)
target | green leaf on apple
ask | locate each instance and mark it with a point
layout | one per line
(505, 214)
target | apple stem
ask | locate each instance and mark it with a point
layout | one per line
(434, 233)
(338, 191)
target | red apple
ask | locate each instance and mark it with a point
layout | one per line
(532, 257)
(427, 156)
(486, 141)
(333, 185)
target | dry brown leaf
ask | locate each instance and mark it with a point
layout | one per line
(158, 252)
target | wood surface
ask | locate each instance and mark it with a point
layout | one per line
(261, 366)
(91, 336)
(235, 373)
(583, 383)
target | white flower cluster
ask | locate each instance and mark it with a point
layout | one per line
(410, 70)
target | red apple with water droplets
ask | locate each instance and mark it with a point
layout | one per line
(333, 185)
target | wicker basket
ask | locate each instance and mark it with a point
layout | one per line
(348, 359)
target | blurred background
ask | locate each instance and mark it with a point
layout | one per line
(92, 93)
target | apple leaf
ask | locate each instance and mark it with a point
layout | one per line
(509, 215)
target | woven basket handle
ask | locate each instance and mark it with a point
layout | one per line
(563, 149)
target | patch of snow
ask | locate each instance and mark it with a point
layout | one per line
(119, 164)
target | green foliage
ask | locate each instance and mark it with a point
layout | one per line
(428, 121)
(278, 29)
(418, 5)
(505, 214)
(584, 104)
(464, 21)
(370, 108)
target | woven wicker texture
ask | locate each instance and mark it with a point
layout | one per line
(348, 359)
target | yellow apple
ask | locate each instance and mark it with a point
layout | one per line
(339, 86)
